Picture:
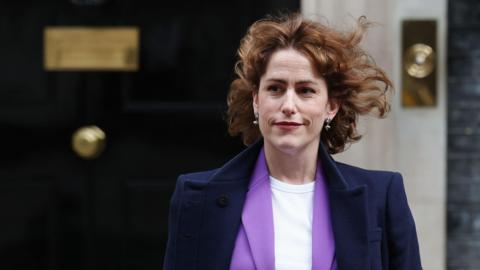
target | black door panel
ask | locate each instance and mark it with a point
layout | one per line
(59, 211)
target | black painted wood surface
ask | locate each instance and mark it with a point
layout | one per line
(58, 211)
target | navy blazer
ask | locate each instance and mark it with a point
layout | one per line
(372, 223)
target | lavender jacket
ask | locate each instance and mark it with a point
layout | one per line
(371, 221)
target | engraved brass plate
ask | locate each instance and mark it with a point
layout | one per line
(91, 48)
(419, 78)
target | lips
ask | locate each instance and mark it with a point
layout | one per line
(287, 125)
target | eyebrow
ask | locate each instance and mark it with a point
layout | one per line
(299, 82)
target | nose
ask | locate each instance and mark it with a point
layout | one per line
(289, 106)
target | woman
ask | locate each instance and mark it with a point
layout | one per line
(284, 203)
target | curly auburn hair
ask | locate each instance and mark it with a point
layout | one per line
(353, 79)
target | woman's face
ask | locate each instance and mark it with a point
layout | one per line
(292, 103)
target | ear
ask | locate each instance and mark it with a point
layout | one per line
(332, 108)
(255, 101)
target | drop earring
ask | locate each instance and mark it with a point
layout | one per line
(327, 124)
(255, 122)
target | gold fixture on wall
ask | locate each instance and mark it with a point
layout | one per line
(419, 63)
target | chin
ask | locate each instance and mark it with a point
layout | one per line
(287, 146)
(291, 145)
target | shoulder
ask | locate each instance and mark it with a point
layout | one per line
(377, 180)
(388, 210)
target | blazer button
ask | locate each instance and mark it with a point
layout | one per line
(222, 201)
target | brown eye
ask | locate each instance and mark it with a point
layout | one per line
(274, 89)
(307, 90)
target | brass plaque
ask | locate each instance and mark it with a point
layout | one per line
(91, 48)
(419, 63)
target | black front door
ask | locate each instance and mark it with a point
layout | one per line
(61, 211)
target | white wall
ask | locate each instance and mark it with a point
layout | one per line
(411, 141)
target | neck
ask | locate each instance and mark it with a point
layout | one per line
(293, 167)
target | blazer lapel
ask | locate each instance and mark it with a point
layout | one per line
(349, 223)
(349, 217)
(257, 217)
(222, 217)
(224, 199)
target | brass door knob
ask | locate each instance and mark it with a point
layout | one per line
(88, 142)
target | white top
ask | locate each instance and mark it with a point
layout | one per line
(292, 222)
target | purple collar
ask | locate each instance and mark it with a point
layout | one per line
(255, 247)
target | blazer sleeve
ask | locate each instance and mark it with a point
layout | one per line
(173, 218)
(401, 233)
